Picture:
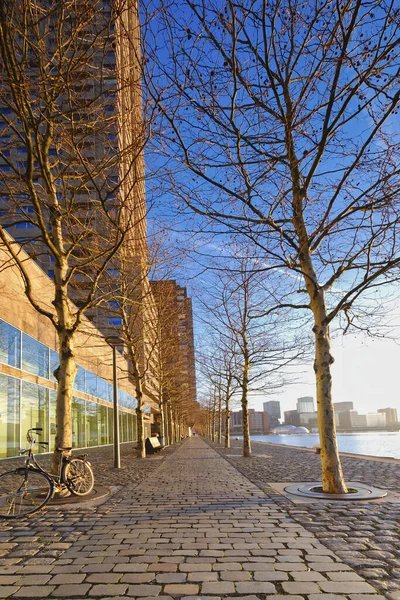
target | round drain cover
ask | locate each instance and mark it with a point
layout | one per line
(359, 491)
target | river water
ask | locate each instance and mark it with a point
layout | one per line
(376, 443)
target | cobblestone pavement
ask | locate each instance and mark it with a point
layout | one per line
(101, 458)
(194, 528)
(366, 536)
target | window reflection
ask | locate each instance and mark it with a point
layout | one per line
(9, 416)
(35, 357)
(78, 423)
(92, 435)
(91, 383)
(10, 345)
(35, 411)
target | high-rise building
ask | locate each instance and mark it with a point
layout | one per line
(390, 414)
(175, 317)
(305, 404)
(258, 421)
(90, 172)
(292, 417)
(341, 406)
(273, 410)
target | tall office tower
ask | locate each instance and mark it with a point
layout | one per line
(273, 410)
(305, 404)
(71, 155)
(342, 406)
(391, 415)
(178, 376)
(71, 159)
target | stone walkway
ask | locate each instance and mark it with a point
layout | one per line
(364, 535)
(195, 528)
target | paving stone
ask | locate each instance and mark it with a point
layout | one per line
(67, 578)
(171, 578)
(348, 587)
(255, 587)
(138, 577)
(199, 576)
(71, 590)
(191, 567)
(177, 589)
(8, 590)
(218, 587)
(103, 578)
(34, 591)
(300, 587)
(163, 567)
(235, 576)
(344, 576)
(330, 597)
(111, 589)
(270, 576)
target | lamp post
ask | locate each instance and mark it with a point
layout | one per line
(114, 342)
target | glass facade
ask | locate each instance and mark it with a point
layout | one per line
(24, 405)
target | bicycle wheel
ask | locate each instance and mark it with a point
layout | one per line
(78, 476)
(23, 492)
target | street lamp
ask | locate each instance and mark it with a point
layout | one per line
(114, 342)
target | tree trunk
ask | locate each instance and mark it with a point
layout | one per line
(227, 423)
(164, 427)
(141, 447)
(245, 406)
(219, 419)
(213, 424)
(172, 425)
(65, 374)
(332, 474)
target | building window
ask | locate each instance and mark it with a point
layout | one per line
(25, 225)
(80, 380)
(26, 209)
(35, 410)
(35, 357)
(115, 321)
(92, 434)
(78, 422)
(91, 383)
(9, 416)
(10, 345)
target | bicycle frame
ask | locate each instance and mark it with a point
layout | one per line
(32, 464)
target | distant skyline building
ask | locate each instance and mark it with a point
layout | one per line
(305, 404)
(292, 417)
(341, 406)
(273, 410)
(390, 414)
(258, 422)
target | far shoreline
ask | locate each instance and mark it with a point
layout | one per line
(386, 459)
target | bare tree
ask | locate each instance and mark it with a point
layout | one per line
(218, 364)
(259, 355)
(277, 122)
(69, 175)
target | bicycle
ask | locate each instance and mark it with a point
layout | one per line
(25, 490)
